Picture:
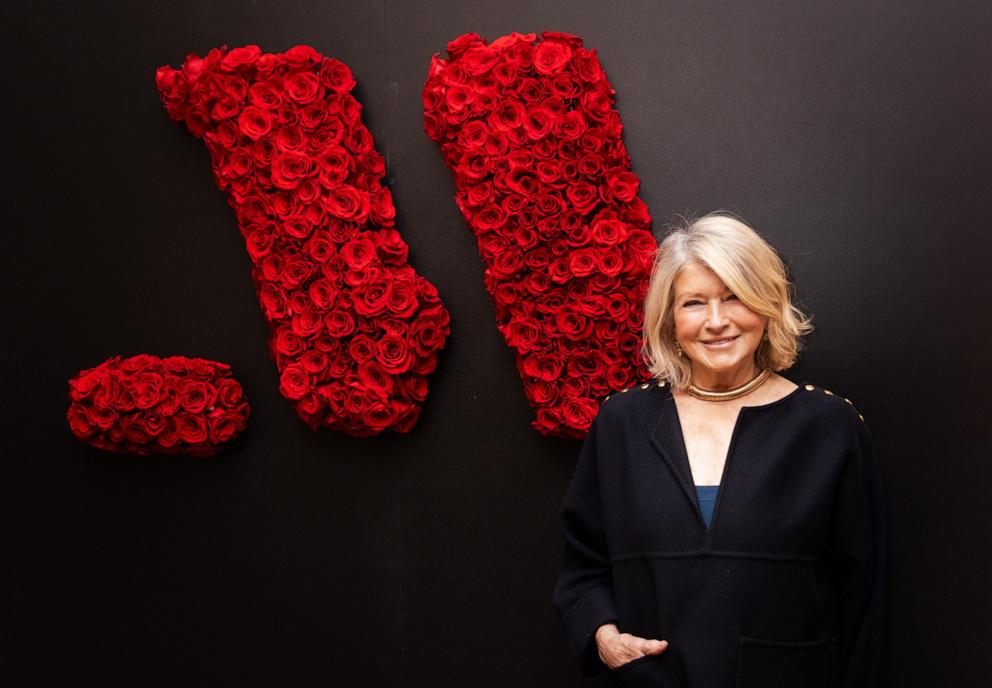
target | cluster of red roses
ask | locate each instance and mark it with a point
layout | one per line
(354, 330)
(529, 130)
(145, 404)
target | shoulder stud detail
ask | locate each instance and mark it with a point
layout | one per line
(662, 383)
(827, 391)
(607, 398)
(849, 401)
(645, 385)
(809, 388)
(624, 390)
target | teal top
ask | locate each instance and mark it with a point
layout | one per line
(707, 498)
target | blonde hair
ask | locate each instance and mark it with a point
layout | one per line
(750, 268)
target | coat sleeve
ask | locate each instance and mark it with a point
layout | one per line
(857, 558)
(583, 594)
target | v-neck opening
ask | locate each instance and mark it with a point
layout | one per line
(724, 472)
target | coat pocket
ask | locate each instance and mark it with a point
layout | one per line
(783, 664)
(649, 671)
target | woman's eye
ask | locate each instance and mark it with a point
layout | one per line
(690, 303)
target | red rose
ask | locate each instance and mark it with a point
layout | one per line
(545, 367)
(172, 86)
(381, 208)
(359, 252)
(424, 336)
(401, 298)
(551, 57)
(303, 87)
(379, 416)
(623, 185)
(522, 334)
(308, 322)
(390, 246)
(463, 43)
(508, 115)
(578, 412)
(137, 363)
(583, 197)
(254, 122)
(371, 299)
(339, 323)
(323, 293)
(347, 203)
(103, 418)
(301, 56)
(587, 65)
(148, 390)
(288, 168)
(538, 123)
(79, 422)
(192, 428)
(153, 424)
(573, 324)
(229, 393)
(376, 379)
(195, 396)
(571, 126)
(610, 262)
(583, 262)
(480, 59)
(585, 364)
(336, 75)
(393, 354)
(294, 382)
(266, 95)
(596, 103)
(171, 400)
(223, 427)
(489, 218)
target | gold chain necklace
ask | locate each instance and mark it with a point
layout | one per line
(731, 393)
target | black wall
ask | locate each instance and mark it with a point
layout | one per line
(854, 136)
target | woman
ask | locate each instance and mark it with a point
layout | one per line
(723, 526)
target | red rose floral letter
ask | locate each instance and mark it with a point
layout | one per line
(353, 329)
(148, 405)
(529, 131)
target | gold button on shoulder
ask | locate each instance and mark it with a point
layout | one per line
(661, 384)
(645, 385)
(624, 390)
(827, 391)
(809, 388)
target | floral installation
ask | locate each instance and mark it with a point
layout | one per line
(150, 405)
(528, 128)
(353, 329)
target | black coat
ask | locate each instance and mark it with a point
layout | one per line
(784, 588)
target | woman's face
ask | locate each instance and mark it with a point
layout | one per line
(706, 314)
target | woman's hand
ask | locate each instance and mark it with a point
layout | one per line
(617, 649)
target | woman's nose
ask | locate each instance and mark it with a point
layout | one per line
(716, 314)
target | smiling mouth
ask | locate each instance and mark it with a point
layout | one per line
(721, 342)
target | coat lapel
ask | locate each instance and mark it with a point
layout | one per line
(666, 437)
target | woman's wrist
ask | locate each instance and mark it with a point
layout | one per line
(606, 630)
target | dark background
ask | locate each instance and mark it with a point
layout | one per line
(854, 136)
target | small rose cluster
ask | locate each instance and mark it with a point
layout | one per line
(150, 405)
(353, 329)
(529, 129)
